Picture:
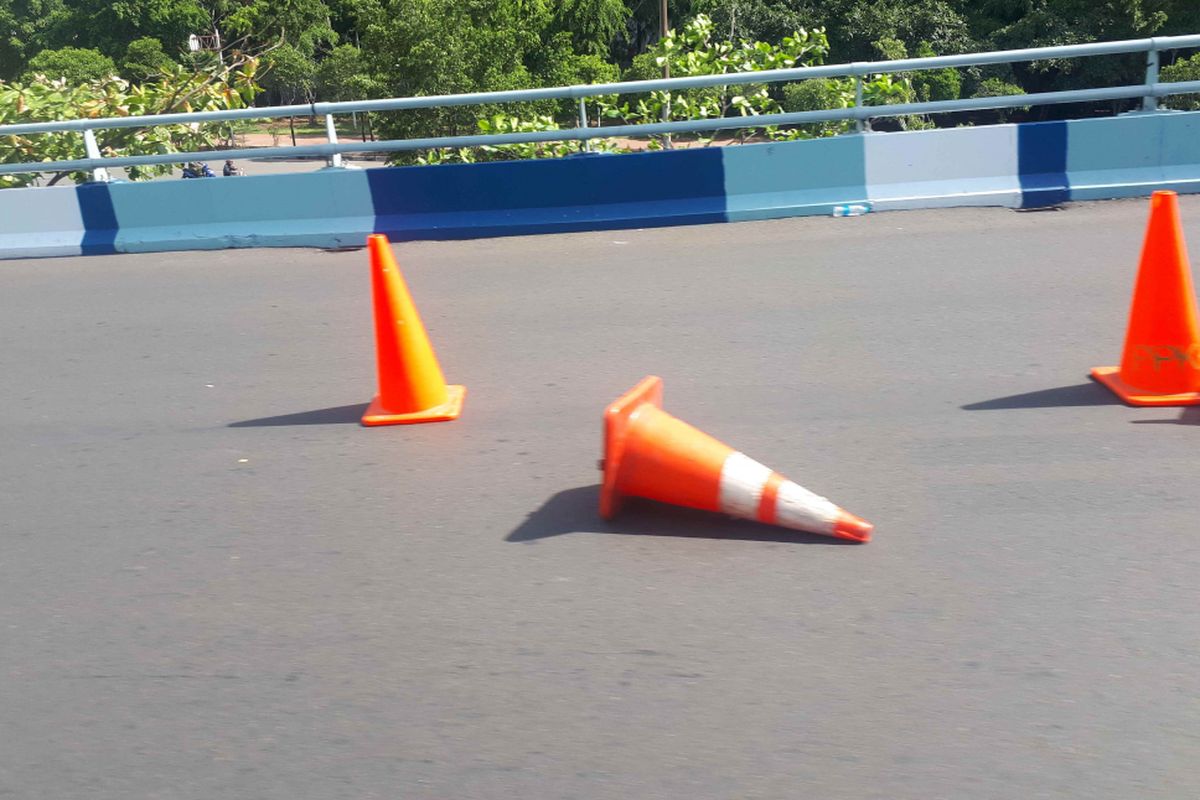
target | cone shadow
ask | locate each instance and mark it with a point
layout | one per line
(577, 511)
(1190, 416)
(338, 415)
(1081, 394)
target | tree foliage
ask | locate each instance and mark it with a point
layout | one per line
(696, 49)
(74, 65)
(356, 49)
(176, 90)
(144, 59)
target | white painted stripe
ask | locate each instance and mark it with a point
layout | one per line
(800, 509)
(40, 221)
(945, 167)
(742, 480)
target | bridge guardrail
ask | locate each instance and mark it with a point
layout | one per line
(1149, 91)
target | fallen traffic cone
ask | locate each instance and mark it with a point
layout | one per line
(649, 453)
(411, 386)
(1160, 365)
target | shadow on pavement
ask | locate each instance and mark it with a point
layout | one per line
(1081, 394)
(338, 415)
(1190, 416)
(577, 511)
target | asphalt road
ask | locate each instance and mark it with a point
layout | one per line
(215, 584)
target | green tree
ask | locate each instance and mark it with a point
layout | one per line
(350, 19)
(110, 25)
(75, 65)
(695, 50)
(935, 84)
(144, 58)
(24, 29)
(856, 25)
(1185, 69)
(434, 47)
(291, 74)
(339, 75)
(753, 20)
(1046, 23)
(239, 26)
(591, 24)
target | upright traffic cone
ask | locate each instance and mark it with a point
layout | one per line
(411, 386)
(1160, 365)
(649, 453)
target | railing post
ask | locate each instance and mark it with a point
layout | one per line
(583, 123)
(858, 101)
(334, 160)
(99, 174)
(1150, 102)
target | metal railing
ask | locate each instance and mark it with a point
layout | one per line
(1149, 92)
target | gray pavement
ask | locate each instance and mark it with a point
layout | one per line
(215, 584)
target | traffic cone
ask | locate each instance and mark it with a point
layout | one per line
(1160, 365)
(649, 453)
(411, 386)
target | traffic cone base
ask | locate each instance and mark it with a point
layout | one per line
(616, 424)
(1111, 377)
(1160, 362)
(649, 453)
(376, 414)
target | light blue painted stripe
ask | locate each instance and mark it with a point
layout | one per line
(948, 167)
(1180, 151)
(330, 208)
(789, 179)
(38, 222)
(1133, 155)
(1115, 158)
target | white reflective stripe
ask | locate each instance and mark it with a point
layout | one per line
(742, 480)
(800, 509)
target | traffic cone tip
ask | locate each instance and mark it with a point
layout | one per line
(851, 527)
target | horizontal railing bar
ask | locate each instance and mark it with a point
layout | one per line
(576, 134)
(628, 87)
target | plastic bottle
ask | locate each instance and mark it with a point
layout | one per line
(852, 210)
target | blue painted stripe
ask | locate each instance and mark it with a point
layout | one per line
(99, 219)
(578, 193)
(1042, 160)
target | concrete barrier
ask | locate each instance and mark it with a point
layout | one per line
(1027, 165)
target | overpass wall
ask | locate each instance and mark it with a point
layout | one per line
(1026, 165)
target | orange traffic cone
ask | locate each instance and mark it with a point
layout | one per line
(411, 386)
(1160, 365)
(649, 453)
